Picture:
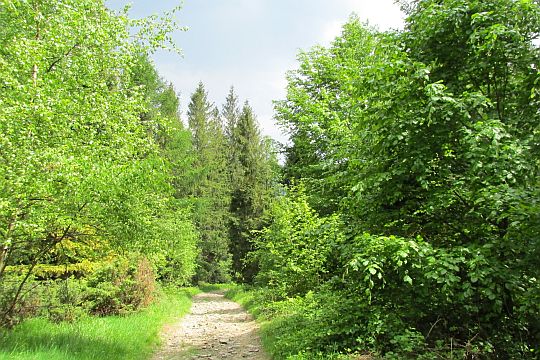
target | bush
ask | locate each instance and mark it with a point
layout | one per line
(50, 272)
(58, 300)
(315, 326)
(120, 286)
(132, 337)
(124, 285)
(28, 305)
(63, 300)
(464, 293)
(297, 252)
(400, 297)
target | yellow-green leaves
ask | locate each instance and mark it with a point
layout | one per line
(77, 160)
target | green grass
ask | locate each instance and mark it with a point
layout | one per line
(256, 302)
(213, 287)
(283, 326)
(116, 337)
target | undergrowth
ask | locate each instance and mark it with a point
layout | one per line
(113, 337)
(291, 327)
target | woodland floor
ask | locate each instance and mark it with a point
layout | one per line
(215, 328)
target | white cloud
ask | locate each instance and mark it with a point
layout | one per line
(383, 14)
(251, 44)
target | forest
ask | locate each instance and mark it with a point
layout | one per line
(402, 223)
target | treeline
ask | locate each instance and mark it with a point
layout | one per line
(233, 181)
(410, 225)
(103, 189)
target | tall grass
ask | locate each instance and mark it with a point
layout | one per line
(116, 337)
(285, 331)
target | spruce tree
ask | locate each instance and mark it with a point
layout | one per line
(210, 188)
(230, 113)
(249, 188)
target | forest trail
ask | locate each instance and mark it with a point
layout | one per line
(216, 328)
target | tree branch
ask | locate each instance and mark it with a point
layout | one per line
(31, 269)
(64, 55)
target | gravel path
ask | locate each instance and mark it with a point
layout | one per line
(216, 328)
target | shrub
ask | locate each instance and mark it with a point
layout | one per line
(124, 285)
(63, 300)
(48, 271)
(400, 297)
(464, 293)
(297, 252)
(28, 305)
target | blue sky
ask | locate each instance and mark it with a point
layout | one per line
(251, 44)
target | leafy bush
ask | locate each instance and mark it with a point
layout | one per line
(425, 143)
(464, 293)
(12, 313)
(48, 271)
(63, 300)
(401, 297)
(315, 326)
(132, 337)
(296, 252)
(57, 300)
(176, 255)
(124, 285)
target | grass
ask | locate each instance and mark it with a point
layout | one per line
(251, 300)
(283, 325)
(116, 337)
(136, 336)
(256, 303)
(206, 287)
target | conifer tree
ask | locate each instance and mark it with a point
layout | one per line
(162, 120)
(210, 188)
(249, 187)
(230, 113)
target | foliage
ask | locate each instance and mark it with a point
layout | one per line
(176, 260)
(85, 123)
(252, 182)
(115, 286)
(113, 337)
(399, 276)
(231, 182)
(302, 327)
(26, 306)
(124, 285)
(423, 144)
(177, 251)
(210, 188)
(45, 271)
(63, 300)
(296, 252)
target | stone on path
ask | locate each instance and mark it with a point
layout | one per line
(216, 328)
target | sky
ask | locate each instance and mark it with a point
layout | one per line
(251, 44)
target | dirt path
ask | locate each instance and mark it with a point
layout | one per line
(216, 328)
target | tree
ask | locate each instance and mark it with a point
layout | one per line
(175, 260)
(230, 113)
(77, 162)
(251, 180)
(429, 133)
(210, 188)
